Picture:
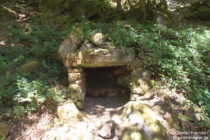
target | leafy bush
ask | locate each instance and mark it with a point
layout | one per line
(21, 91)
(33, 93)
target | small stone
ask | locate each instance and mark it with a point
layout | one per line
(98, 39)
(68, 112)
(79, 105)
(4, 129)
(107, 130)
(74, 76)
(75, 88)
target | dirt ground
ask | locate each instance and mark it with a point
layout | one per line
(96, 112)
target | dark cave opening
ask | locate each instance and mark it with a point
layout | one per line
(107, 81)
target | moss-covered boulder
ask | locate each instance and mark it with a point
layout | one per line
(141, 82)
(141, 123)
(29, 66)
(68, 112)
(4, 130)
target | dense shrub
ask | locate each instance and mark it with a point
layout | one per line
(22, 90)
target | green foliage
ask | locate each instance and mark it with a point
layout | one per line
(118, 34)
(24, 92)
(3, 138)
(42, 40)
(34, 93)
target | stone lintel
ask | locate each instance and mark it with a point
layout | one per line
(98, 58)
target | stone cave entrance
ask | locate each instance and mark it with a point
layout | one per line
(95, 70)
(107, 84)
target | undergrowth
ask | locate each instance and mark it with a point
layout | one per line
(179, 58)
(30, 70)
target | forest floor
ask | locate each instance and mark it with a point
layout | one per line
(96, 112)
(101, 119)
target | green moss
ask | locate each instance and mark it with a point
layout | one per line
(4, 130)
(144, 115)
(29, 66)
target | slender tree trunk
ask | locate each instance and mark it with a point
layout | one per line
(142, 7)
(119, 6)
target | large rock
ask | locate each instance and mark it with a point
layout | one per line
(141, 82)
(107, 130)
(98, 58)
(68, 112)
(4, 130)
(141, 123)
(71, 43)
(78, 131)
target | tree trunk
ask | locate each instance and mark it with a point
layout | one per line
(142, 7)
(119, 6)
